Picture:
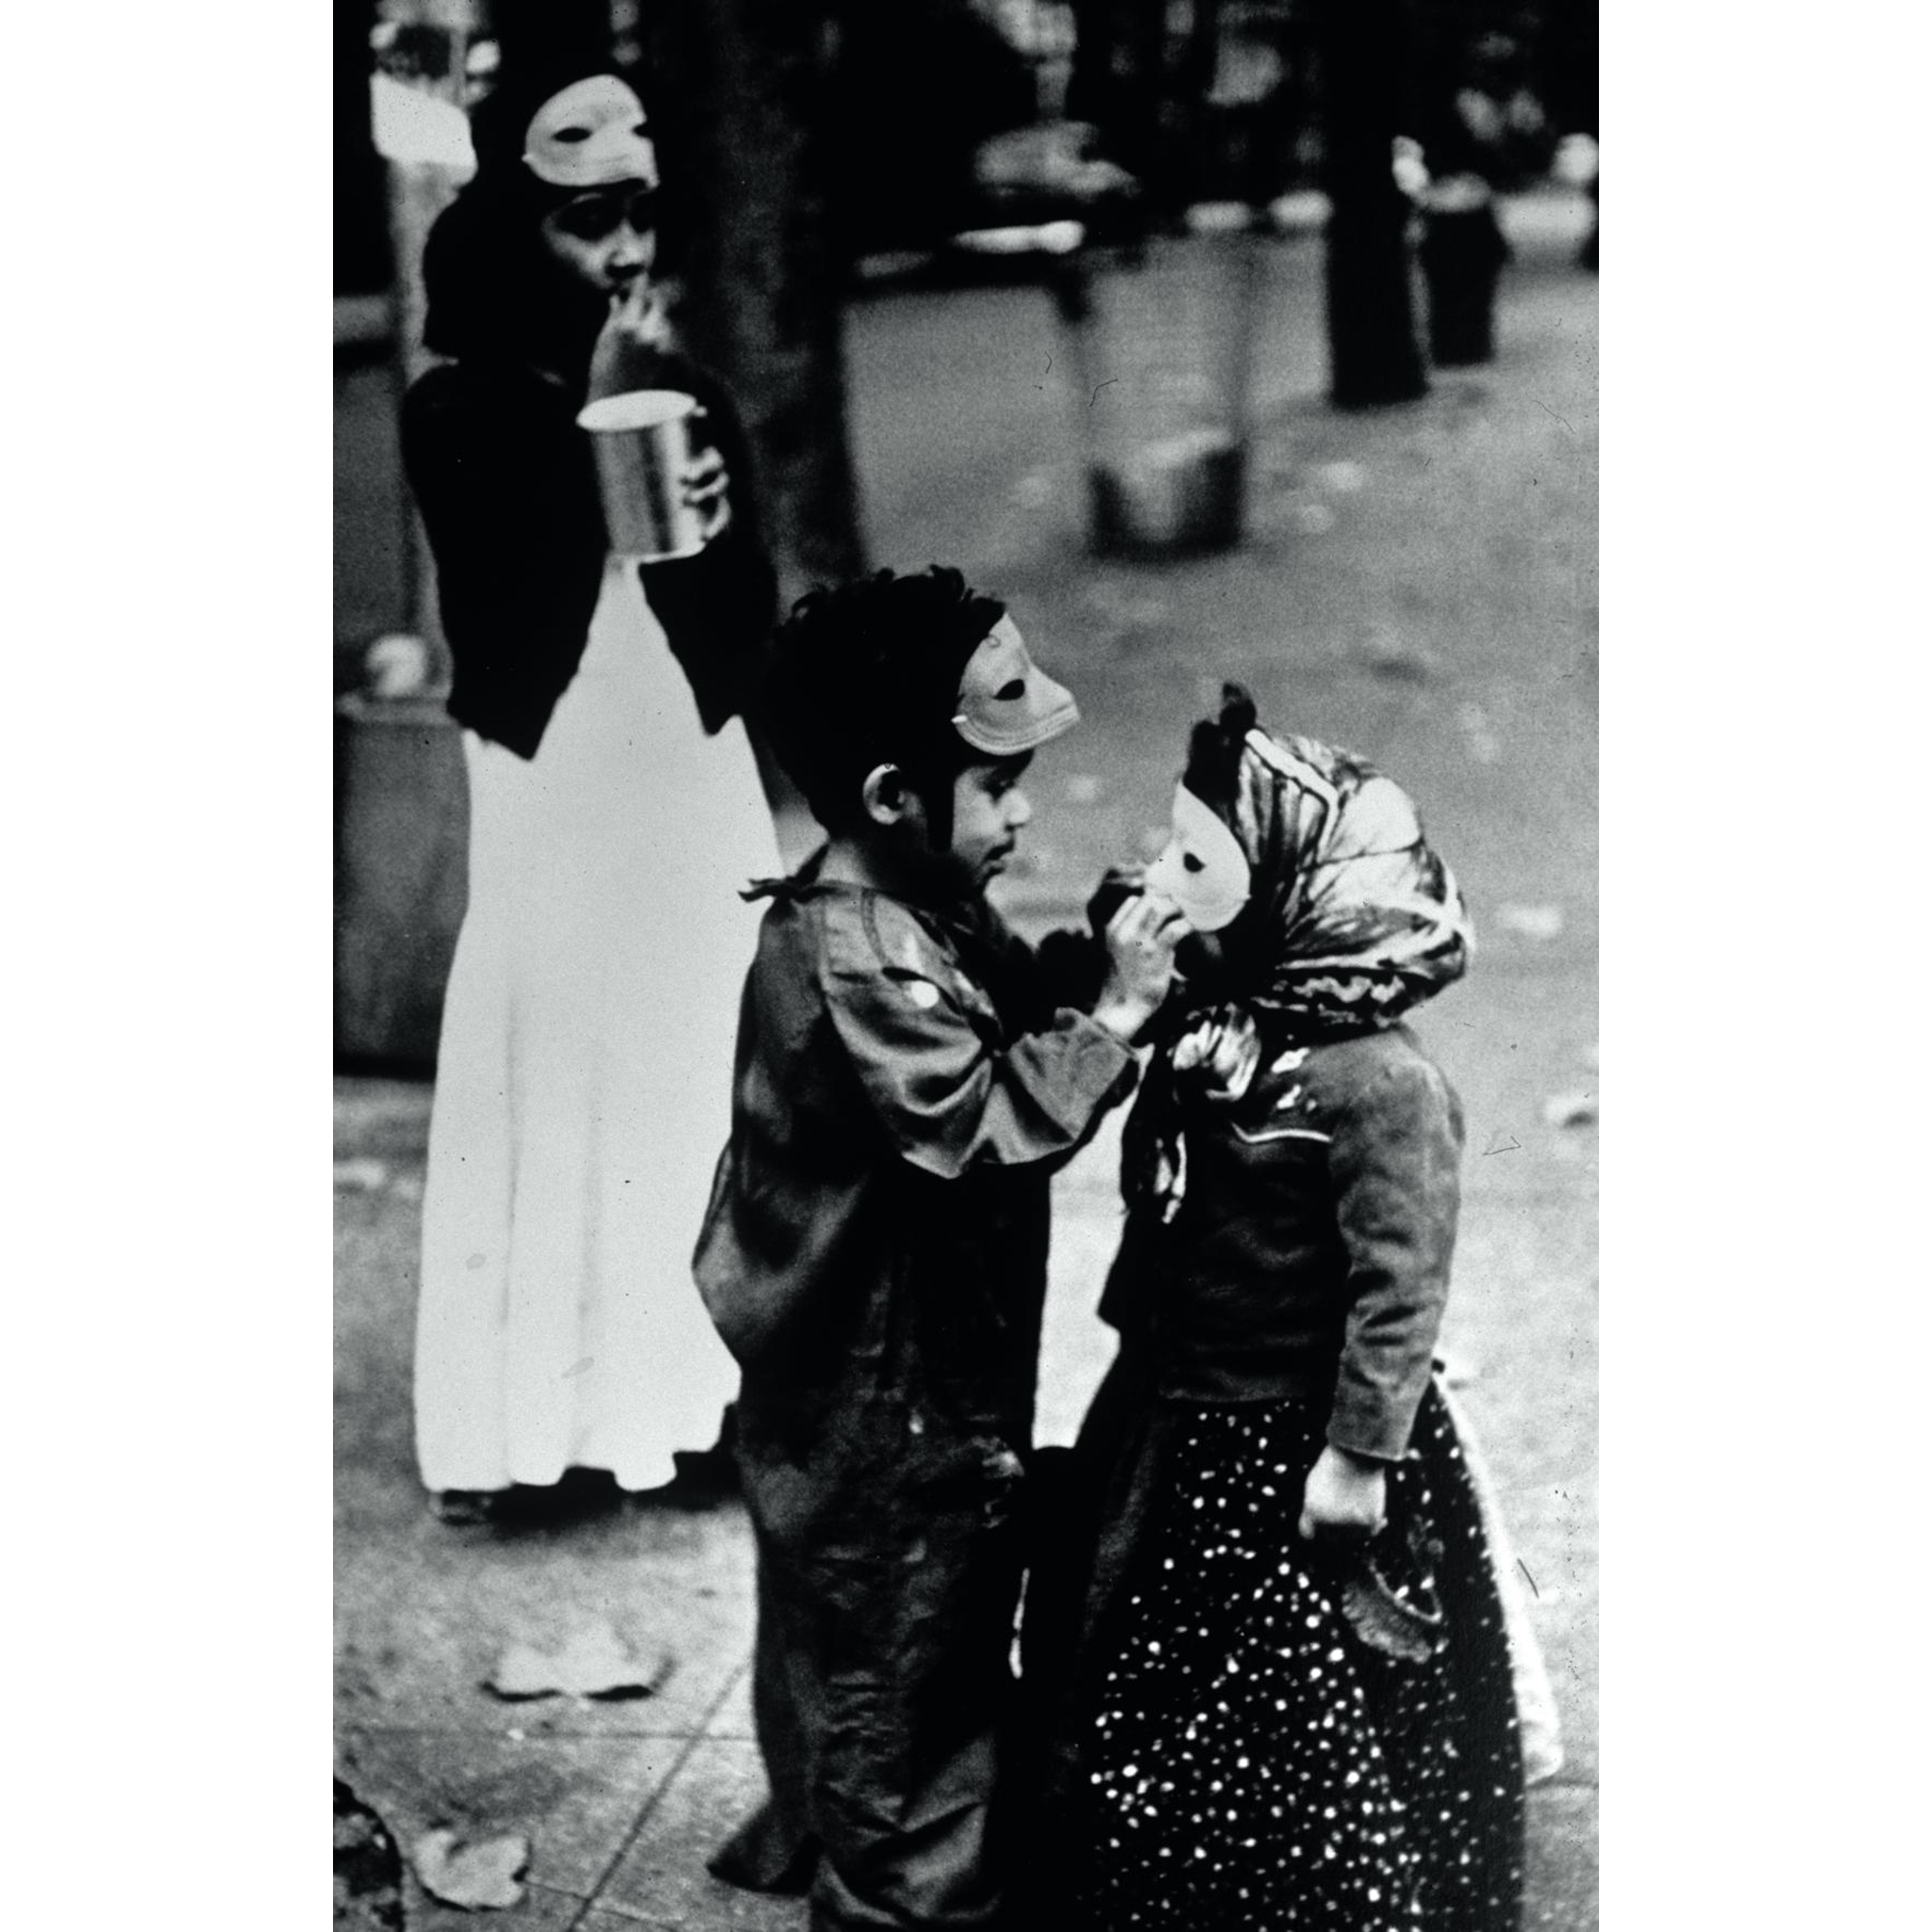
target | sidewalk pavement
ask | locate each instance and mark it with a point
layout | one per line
(1418, 585)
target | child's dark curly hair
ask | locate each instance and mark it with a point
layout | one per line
(868, 674)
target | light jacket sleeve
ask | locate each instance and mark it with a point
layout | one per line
(1395, 1162)
(947, 1094)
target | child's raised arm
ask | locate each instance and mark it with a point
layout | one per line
(1140, 938)
(924, 1042)
(1073, 964)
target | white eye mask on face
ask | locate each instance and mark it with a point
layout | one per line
(1203, 868)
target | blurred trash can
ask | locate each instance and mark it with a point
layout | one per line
(401, 835)
(1463, 255)
(1160, 347)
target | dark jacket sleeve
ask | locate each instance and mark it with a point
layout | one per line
(719, 608)
(508, 498)
(1394, 1162)
(947, 1097)
(1029, 984)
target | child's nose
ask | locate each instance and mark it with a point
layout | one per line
(628, 249)
(1019, 809)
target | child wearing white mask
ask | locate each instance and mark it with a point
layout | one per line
(1285, 1689)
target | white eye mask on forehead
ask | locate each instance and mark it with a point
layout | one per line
(591, 135)
(1203, 868)
(1007, 704)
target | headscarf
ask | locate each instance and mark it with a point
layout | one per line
(1351, 919)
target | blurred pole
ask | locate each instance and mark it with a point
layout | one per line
(739, 89)
(1118, 84)
(534, 32)
(1196, 118)
(1372, 352)
(1463, 255)
(1571, 66)
(739, 93)
(362, 264)
(1089, 72)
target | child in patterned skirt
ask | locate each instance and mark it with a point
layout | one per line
(1284, 1679)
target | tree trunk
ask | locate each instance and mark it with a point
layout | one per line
(532, 32)
(362, 250)
(1119, 83)
(1372, 352)
(736, 91)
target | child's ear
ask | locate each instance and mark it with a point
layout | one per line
(890, 799)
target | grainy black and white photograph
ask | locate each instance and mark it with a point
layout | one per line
(965, 1029)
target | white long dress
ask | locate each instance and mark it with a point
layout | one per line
(584, 1080)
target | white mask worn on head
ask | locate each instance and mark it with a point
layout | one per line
(1007, 703)
(591, 135)
(1203, 868)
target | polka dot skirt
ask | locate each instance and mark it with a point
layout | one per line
(1252, 1761)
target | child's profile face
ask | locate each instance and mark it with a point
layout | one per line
(988, 812)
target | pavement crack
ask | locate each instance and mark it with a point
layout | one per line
(648, 1810)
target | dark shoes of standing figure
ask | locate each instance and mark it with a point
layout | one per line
(705, 1478)
(465, 1507)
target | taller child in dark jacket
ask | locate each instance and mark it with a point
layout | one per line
(908, 1076)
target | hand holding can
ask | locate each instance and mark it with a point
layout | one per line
(662, 499)
(708, 486)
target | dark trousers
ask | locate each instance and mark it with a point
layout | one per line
(882, 1688)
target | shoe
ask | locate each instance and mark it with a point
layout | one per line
(711, 1474)
(704, 1479)
(466, 1507)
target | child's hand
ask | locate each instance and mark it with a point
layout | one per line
(637, 325)
(1118, 884)
(1141, 939)
(1345, 1496)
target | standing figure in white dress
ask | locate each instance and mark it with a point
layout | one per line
(583, 1079)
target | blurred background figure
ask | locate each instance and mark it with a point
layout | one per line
(1471, 146)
